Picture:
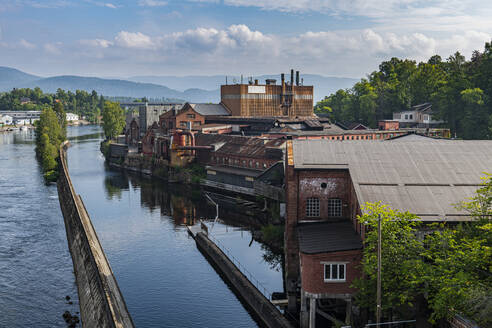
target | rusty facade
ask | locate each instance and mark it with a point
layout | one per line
(269, 99)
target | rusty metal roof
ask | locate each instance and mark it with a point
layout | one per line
(422, 175)
(239, 145)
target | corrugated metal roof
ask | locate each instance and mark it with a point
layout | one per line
(210, 109)
(239, 145)
(422, 175)
(327, 237)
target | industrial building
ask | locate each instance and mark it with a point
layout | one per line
(269, 99)
(328, 182)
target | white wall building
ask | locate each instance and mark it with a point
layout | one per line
(417, 115)
(6, 119)
(72, 117)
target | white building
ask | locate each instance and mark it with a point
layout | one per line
(419, 115)
(6, 119)
(72, 117)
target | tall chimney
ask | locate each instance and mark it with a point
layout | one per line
(297, 78)
(291, 77)
(282, 92)
(256, 82)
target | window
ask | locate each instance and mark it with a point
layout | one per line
(411, 116)
(250, 163)
(190, 115)
(334, 272)
(182, 124)
(312, 207)
(334, 207)
(244, 163)
(406, 116)
(257, 165)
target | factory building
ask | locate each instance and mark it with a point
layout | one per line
(269, 100)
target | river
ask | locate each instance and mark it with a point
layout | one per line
(165, 280)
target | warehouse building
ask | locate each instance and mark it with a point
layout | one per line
(327, 183)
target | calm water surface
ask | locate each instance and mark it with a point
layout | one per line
(140, 222)
(165, 280)
(35, 264)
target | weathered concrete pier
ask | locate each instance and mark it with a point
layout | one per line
(263, 308)
(101, 301)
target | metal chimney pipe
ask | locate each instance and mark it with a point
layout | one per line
(291, 77)
(297, 78)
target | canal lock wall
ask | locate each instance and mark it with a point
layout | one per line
(269, 315)
(101, 302)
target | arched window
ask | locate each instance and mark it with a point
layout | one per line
(312, 207)
(334, 207)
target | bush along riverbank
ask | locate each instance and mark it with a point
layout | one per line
(51, 131)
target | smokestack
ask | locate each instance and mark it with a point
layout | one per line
(297, 78)
(282, 93)
(291, 77)
(256, 82)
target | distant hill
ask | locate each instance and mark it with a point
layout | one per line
(11, 77)
(188, 88)
(323, 85)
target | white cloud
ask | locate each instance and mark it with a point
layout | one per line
(26, 44)
(152, 3)
(53, 48)
(239, 49)
(110, 5)
(133, 40)
(97, 43)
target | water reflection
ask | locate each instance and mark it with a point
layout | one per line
(185, 205)
(140, 222)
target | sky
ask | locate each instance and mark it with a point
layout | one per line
(346, 38)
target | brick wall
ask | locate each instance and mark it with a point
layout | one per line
(311, 184)
(312, 272)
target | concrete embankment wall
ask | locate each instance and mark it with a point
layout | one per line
(263, 308)
(101, 302)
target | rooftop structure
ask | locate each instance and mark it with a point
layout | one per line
(269, 99)
(422, 175)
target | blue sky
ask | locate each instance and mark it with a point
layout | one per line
(202, 37)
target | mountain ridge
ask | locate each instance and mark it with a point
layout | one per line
(192, 88)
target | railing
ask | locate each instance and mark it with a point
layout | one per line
(261, 288)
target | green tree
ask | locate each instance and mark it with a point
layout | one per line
(459, 263)
(401, 260)
(114, 119)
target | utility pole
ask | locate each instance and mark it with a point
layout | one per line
(378, 296)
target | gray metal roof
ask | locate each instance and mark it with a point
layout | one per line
(210, 109)
(327, 237)
(422, 175)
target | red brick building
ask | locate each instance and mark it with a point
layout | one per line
(190, 116)
(328, 182)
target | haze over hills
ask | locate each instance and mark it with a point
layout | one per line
(188, 88)
(323, 85)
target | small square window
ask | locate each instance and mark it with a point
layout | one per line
(312, 207)
(334, 207)
(334, 272)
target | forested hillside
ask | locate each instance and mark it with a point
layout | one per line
(460, 91)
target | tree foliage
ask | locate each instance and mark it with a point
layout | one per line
(113, 119)
(450, 266)
(50, 132)
(459, 90)
(82, 103)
